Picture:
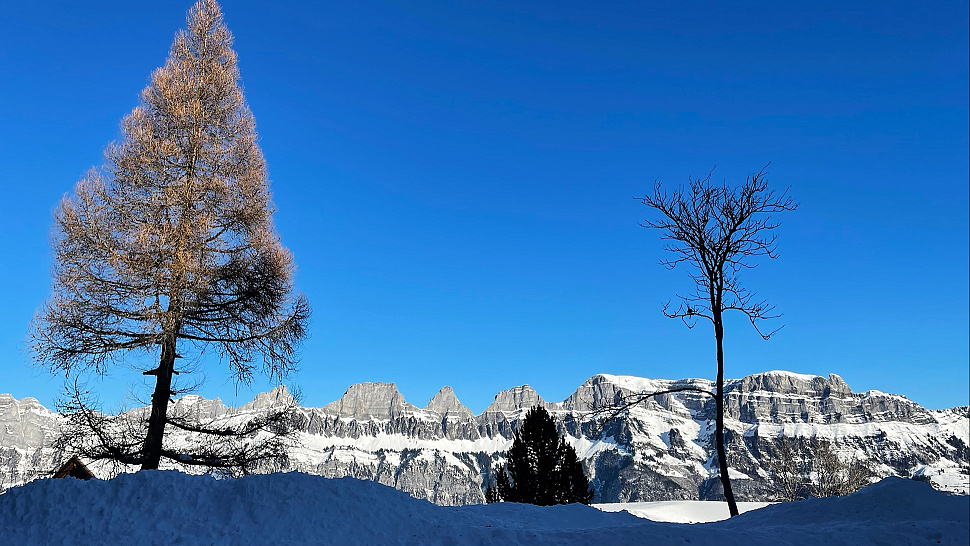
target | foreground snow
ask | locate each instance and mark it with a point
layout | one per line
(680, 511)
(297, 509)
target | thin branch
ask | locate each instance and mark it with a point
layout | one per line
(624, 403)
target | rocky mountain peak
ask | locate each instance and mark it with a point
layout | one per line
(371, 401)
(517, 398)
(25, 424)
(446, 404)
(279, 396)
(598, 391)
(783, 382)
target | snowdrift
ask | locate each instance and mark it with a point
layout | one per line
(681, 511)
(297, 509)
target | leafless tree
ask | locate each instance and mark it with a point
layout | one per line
(803, 468)
(824, 470)
(5, 477)
(830, 476)
(858, 473)
(788, 468)
(170, 247)
(718, 231)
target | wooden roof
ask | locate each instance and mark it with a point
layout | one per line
(75, 469)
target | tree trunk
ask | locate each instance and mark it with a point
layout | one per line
(152, 451)
(719, 419)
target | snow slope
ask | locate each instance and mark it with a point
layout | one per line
(680, 511)
(300, 509)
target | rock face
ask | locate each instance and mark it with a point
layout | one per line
(263, 400)
(661, 449)
(446, 404)
(516, 399)
(371, 401)
(27, 429)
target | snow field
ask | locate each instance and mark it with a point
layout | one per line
(680, 511)
(168, 507)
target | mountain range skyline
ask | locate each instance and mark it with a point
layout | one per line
(325, 397)
(659, 450)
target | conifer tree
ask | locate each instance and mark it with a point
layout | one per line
(491, 494)
(170, 247)
(572, 483)
(541, 467)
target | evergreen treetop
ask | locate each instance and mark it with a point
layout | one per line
(542, 468)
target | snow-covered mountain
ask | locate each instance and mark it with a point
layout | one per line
(661, 450)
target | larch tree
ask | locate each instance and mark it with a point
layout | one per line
(718, 231)
(168, 248)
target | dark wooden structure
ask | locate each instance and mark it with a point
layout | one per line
(75, 469)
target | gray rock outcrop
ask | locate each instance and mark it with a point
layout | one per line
(371, 401)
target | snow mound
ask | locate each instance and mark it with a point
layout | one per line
(890, 500)
(299, 509)
(689, 511)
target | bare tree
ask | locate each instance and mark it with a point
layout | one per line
(830, 476)
(718, 231)
(858, 473)
(803, 468)
(788, 468)
(171, 247)
(5, 477)
(824, 470)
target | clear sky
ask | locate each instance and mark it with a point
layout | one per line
(457, 181)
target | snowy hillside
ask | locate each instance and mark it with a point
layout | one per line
(661, 451)
(295, 509)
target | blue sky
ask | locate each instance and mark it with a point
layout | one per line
(456, 181)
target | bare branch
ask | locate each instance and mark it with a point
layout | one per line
(718, 230)
(612, 411)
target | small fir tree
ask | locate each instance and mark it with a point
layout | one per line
(542, 468)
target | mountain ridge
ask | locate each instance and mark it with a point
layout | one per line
(660, 450)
